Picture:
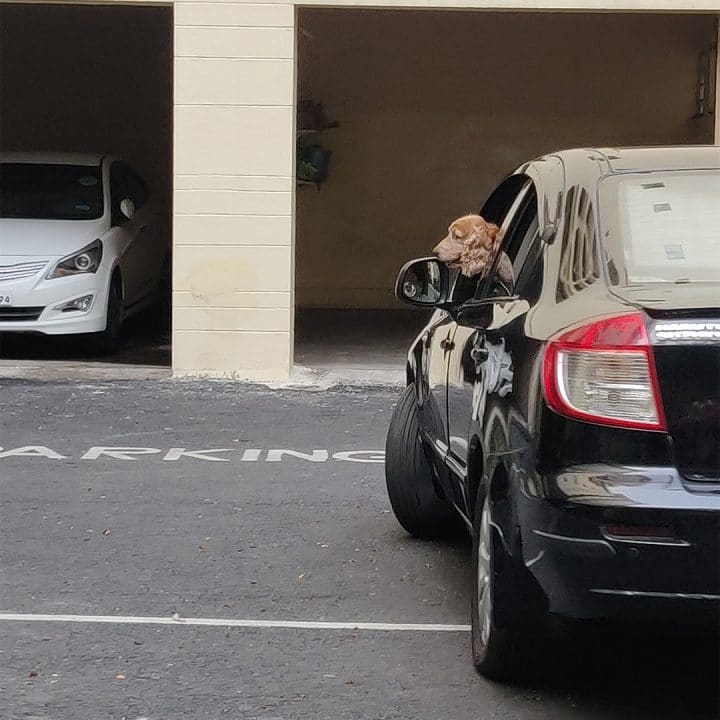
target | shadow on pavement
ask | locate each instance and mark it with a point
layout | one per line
(616, 672)
(622, 673)
(145, 341)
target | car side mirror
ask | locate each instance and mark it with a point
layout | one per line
(127, 208)
(424, 282)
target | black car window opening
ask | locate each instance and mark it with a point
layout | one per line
(517, 241)
(464, 288)
(41, 191)
(529, 273)
(500, 202)
(516, 188)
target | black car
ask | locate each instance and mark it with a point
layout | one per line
(572, 421)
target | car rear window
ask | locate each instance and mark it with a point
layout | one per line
(50, 192)
(661, 227)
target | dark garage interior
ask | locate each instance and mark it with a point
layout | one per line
(92, 79)
(425, 111)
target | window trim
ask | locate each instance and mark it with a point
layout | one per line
(514, 215)
(536, 241)
(526, 188)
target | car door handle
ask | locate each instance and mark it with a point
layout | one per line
(143, 228)
(447, 344)
(479, 355)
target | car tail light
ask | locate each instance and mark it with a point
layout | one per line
(604, 372)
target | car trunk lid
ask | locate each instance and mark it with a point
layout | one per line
(684, 330)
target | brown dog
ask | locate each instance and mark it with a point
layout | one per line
(471, 245)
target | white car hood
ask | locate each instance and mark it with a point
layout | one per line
(20, 237)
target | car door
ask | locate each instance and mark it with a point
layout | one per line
(437, 345)
(480, 365)
(134, 261)
(152, 237)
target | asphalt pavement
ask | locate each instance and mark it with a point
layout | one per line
(206, 550)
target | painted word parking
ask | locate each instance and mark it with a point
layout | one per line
(174, 454)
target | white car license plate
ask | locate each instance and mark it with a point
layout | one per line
(5, 300)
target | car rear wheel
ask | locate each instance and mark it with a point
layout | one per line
(507, 627)
(409, 477)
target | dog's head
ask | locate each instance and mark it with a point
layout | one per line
(471, 245)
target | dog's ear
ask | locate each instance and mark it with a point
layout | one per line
(486, 233)
(482, 234)
(496, 233)
(478, 227)
(472, 266)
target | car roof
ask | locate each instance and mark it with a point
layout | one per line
(52, 158)
(612, 161)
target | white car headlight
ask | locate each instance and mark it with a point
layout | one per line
(86, 260)
(81, 304)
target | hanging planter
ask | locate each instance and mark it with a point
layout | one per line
(313, 162)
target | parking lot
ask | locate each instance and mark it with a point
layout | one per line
(210, 550)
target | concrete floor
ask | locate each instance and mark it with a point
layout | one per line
(145, 353)
(356, 346)
(332, 347)
(249, 539)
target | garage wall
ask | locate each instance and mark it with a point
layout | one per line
(89, 79)
(436, 107)
(234, 122)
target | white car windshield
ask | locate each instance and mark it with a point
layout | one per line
(50, 192)
(661, 226)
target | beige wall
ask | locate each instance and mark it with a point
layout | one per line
(88, 79)
(234, 123)
(717, 84)
(435, 107)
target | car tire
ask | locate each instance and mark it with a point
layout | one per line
(107, 341)
(507, 627)
(409, 477)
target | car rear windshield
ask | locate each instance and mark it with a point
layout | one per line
(661, 226)
(50, 192)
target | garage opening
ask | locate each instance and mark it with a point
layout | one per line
(407, 119)
(86, 100)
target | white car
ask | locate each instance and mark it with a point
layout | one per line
(82, 246)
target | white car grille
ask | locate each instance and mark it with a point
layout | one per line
(21, 270)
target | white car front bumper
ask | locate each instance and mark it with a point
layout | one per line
(33, 301)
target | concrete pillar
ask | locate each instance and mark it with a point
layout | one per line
(234, 189)
(717, 83)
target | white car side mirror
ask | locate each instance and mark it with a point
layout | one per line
(127, 208)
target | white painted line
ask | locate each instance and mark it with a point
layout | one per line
(219, 622)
